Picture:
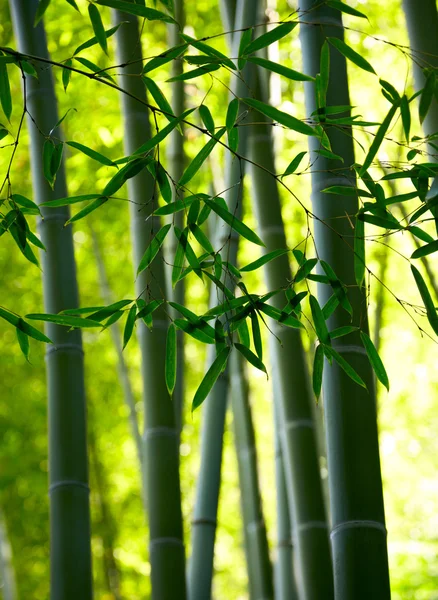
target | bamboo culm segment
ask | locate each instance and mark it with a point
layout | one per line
(70, 553)
(358, 522)
(161, 435)
(214, 410)
(314, 567)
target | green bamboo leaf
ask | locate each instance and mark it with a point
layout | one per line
(157, 170)
(269, 38)
(66, 320)
(431, 311)
(200, 158)
(234, 223)
(93, 41)
(87, 210)
(345, 366)
(279, 316)
(28, 68)
(106, 311)
(330, 306)
(209, 51)
(245, 40)
(251, 357)
(425, 250)
(281, 117)
(129, 325)
(233, 139)
(324, 71)
(197, 330)
(341, 331)
(430, 204)
(299, 256)
(319, 321)
(3, 132)
(164, 58)
(294, 301)
(227, 306)
(41, 9)
(374, 148)
(178, 264)
(243, 333)
(201, 238)
(33, 239)
(130, 170)
(98, 28)
(73, 3)
(305, 269)
(182, 237)
(347, 190)
(390, 89)
(94, 68)
(233, 109)
(163, 133)
(280, 69)
(48, 150)
(26, 203)
(174, 207)
(406, 116)
(379, 221)
(207, 119)
(138, 10)
(159, 98)
(91, 153)
(56, 159)
(427, 96)
(66, 73)
(256, 334)
(375, 359)
(147, 309)
(19, 323)
(210, 378)
(359, 252)
(351, 54)
(23, 341)
(153, 248)
(318, 367)
(293, 165)
(195, 73)
(170, 366)
(346, 9)
(264, 260)
(113, 319)
(419, 233)
(70, 200)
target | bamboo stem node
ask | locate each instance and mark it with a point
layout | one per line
(68, 483)
(171, 541)
(66, 348)
(160, 432)
(296, 423)
(358, 524)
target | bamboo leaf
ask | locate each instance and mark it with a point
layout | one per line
(41, 9)
(161, 135)
(293, 165)
(138, 10)
(406, 116)
(23, 341)
(427, 96)
(93, 41)
(394, 95)
(48, 150)
(195, 73)
(431, 311)
(234, 223)
(351, 54)
(73, 4)
(174, 207)
(419, 233)
(157, 170)
(210, 378)
(209, 51)
(233, 139)
(359, 252)
(94, 68)
(130, 170)
(66, 320)
(26, 203)
(129, 325)
(379, 221)
(159, 98)
(153, 248)
(269, 38)
(281, 117)
(425, 250)
(200, 158)
(251, 357)
(70, 200)
(201, 238)
(106, 311)
(164, 58)
(330, 306)
(345, 366)
(305, 269)
(342, 331)
(206, 117)
(280, 69)
(148, 309)
(245, 40)
(66, 73)
(374, 148)
(243, 333)
(197, 330)
(19, 323)
(279, 316)
(346, 190)
(346, 9)
(87, 210)
(170, 366)
(91, 153)
(319, 321)
(256, 334)
(318, 367)
(264, 260)
(98, 28)
(233, 109)
(375, 359)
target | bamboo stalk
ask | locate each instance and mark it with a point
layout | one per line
(358, 521)
(70, 553)
(256, 542)
(315, 579)
(204, 522)
(7, 573)
(161, 435)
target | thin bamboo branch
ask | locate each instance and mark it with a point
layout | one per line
(71, 576)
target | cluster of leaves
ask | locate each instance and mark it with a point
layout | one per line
(233, 316)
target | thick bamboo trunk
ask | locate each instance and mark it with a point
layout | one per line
(314, 576)
(70, 552)
(161, 435)
(358, 521)
(256, 542)
(214, 409)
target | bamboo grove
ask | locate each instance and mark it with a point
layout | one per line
(296, 312)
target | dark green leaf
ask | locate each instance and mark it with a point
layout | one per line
(66, 320)
(130, 170)
(406, 116)
(233, 139)
(425, 250)
(153, 248)
(305, 269)
(87, 210)
(138, 10)
(210, 378)
(41, 9)
(293, 165)
(23, 340)
(98, 28)
(256, 334)
(431, 312)
(341, 331)
(170, 366)
(427, 96)
(66, 73)
(419, 233)
(201, 238)
(234, 222)
(106, 311)
(48, 150)
(346, 9)
(395, 96)
(374, 148)
(318, 367)
(195, 73)
(245, 40)
(92, 41)
(345, 366)
(148, 309)
(159, 98)
(164, 58)
(268, 38)
(199, 159)
(68, 201)
(280, 69)
(233, 109)
(319, 321)
(161, 135)
(176, 206)
(94, 68)
(330, 306)
(375, 359)
(209, 51)
(28, 68)
(129, 325)
(251, 357)
(299, 256)
(351, 54)
(92, 154)
(379, 221)
(157, 170)
(196, 330)
(26, 203)
(281, 117)
(206, 117)
(55, 162)
(263, 260)
(346, 190)
(279, 316)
